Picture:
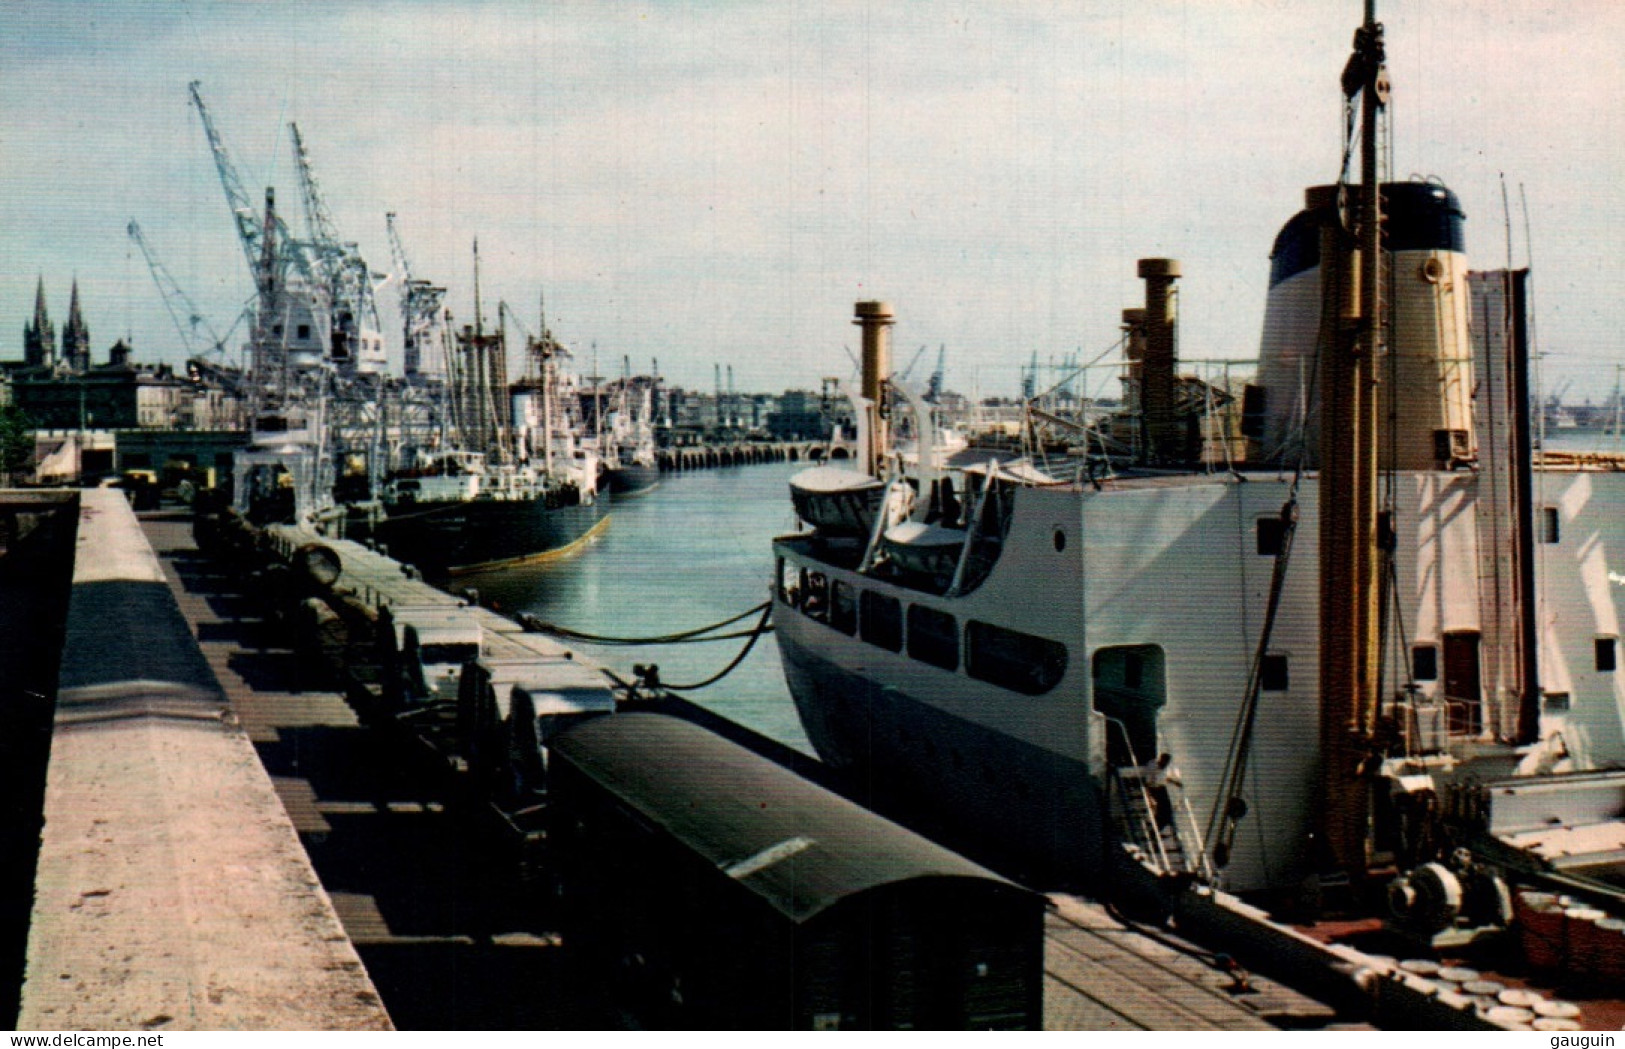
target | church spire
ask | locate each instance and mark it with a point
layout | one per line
(39, 338)
(75, 336)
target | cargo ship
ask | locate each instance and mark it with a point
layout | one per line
(1332, 630)
(495, 494)
(626, 439)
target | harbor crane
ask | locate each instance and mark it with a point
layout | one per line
(179, 304)
(422, 315)
(250, 227)
(906, 372)
(933, 386)
(343, 282)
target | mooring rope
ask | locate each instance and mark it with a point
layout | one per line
(683, 637)
(762, 627)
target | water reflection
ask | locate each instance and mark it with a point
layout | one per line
(694, 551)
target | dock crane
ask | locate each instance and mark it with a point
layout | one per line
(933, 386)
(187, 317)
(421, 308)
(912, 361)
(251, 228)
(342, 281)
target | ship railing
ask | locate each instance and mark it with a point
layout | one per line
(1438, 724)
(1469, 714)
(1146, 787)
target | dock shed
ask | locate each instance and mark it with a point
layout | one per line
(713, 888)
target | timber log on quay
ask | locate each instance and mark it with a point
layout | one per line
(412, 740)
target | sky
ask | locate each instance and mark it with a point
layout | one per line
(710, 183)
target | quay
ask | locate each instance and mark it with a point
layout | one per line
(678, 458)
(171, 891)
(312, 863)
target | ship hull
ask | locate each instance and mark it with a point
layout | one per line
(1020, 808)
(631, 479)
(446, 538)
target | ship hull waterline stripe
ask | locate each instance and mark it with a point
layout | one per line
(557, 553)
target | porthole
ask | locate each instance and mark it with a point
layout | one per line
(1433, 271)
(1059, 539)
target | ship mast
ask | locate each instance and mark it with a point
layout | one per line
(1353, 341)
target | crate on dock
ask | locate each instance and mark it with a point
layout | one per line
(712, 888)
(424, 648)
(507, 710)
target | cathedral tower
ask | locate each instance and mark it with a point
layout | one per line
(76, 337)
(39, 338)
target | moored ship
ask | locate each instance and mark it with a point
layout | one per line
(497, 494)
(458, 513)
(1330, 626)
(626, 439)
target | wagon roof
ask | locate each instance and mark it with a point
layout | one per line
(798, 846)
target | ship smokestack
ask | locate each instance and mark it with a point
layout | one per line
(1424, 378)
(875, 318)
(1164, 435)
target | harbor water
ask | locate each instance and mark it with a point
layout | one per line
(693, 551)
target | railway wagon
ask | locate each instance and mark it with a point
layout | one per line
(709, 887)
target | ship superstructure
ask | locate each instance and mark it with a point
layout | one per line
(1279, 636)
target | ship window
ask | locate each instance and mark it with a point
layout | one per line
(843, 607)
(1549, 532)
(1020, 662)
(933, 637)
(1554, 702)
(304, 331)
(881, 620)
(1607, 660)
(1272, 675)
(1271, 536)
(1425, 663)
(815, 597)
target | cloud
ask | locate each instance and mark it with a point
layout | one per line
(719, 182)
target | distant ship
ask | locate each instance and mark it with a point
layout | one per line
(626, 439)
(1264, 635)
(459, 513)
(497, 494)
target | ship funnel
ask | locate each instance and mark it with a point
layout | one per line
(875, 318)
(1425, 380)
(1158, 364)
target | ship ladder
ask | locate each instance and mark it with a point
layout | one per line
(1153, 816)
